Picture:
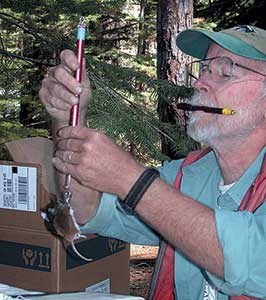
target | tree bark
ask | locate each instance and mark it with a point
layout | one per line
(141, 25)
(173, 16)
(145, 15)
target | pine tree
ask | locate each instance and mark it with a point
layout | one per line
(124, 83)
(228, 13)
(173, 17)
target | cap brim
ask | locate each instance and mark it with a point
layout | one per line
(196, 42)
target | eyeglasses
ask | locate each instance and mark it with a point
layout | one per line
(218, 69)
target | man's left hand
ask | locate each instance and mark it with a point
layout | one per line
(95, 160)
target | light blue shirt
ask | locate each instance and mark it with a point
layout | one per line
(242, 235)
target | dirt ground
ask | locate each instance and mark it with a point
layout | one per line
(142, 259)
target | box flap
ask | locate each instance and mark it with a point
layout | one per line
(36, 150)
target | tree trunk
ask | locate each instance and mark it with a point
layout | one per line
(145, 14)
(173, 16)
(141, 25)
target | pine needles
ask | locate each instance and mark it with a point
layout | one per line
(125, 90)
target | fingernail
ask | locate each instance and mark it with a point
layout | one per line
(59, 132)
(75, 66)
(78, 90)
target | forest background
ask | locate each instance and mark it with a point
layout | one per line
(136, 70)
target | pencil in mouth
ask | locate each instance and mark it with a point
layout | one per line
(208, 109)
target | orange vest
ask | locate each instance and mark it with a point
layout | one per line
(162, 284)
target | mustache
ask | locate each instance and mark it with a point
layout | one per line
(199, 99)
(204, 104)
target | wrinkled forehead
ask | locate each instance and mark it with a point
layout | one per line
(215, 50)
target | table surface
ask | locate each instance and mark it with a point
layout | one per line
(85, 296)
(32, 295)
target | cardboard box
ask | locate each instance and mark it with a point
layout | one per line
(30, 256)
(38, 261)
(32, 162)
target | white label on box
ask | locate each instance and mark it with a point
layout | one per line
(100, 287)
(18, 187)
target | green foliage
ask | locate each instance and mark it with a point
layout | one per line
(136, 124)
(123, 75)
(9, 108)
(229, 13)
(120, 58)
(10, 131)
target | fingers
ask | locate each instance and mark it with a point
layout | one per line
(63, 167)
(68, 157)
(56, 90)
(53, 96)
(77, 132)
(59, 77)
(60, 89)
(70, 62)
(65, 77)
(69, 59)
(75, 145)
(68, 162)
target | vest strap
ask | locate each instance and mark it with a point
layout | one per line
(163, 276)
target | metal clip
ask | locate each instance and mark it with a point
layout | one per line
(82, 21)
(67, 195)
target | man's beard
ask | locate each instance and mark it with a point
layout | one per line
(201, 133)
(238, 126)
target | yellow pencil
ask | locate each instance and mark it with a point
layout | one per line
(208, 109)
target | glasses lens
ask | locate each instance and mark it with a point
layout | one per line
(192, 73)
(221, 69)
(218, 69)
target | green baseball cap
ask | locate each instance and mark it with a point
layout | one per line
(244, 40)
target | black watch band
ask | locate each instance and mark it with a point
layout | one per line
(138, 189)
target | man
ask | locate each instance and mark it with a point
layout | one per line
(219, 249)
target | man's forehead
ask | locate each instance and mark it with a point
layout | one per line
(216, 50)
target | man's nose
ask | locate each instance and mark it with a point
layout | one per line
(201, 84)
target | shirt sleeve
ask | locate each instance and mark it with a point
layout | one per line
(242, 238)
(111, 219)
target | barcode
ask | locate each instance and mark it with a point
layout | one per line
(18, 187)
(9, 185)
(22, 190)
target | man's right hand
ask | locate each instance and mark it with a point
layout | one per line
(58, 93)
(59, 89)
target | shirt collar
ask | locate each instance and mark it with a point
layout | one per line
(239, 189)
(203, 165)
(208, 164)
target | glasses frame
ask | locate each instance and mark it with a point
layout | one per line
(188, 73)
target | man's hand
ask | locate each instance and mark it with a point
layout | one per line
(59, 89)
(96, 161)
(58, 93)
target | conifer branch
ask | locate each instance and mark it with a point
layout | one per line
(18, 23)
(25, 58)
